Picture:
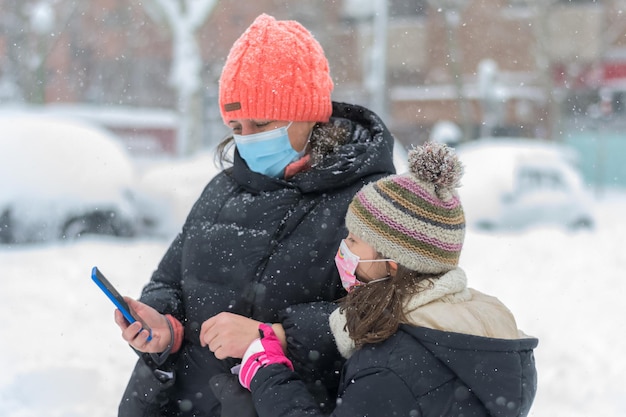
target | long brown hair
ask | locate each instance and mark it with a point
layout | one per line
(374, 311)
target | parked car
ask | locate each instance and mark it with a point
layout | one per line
(62, 179)
(515, 183)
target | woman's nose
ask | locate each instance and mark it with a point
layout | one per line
(245, 130)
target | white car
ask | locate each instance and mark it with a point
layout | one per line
(61, 179)
(515, 183)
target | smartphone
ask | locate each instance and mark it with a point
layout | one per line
(117, 299)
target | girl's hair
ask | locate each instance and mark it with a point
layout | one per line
(374, 311)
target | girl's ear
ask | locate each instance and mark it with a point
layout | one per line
(393, 268)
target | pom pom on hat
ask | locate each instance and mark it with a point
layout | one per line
(415, 218)
(276, 70)
(436, 164)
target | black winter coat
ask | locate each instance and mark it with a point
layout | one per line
(417, 372)
(256, 246)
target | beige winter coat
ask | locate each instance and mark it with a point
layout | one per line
(449, 306)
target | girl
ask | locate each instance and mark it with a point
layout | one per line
(418, 341)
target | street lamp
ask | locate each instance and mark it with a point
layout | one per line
(452, 10)
(372, 15)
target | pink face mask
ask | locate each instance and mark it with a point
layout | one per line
(347, 263)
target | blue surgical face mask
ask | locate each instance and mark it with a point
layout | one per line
(268, 152)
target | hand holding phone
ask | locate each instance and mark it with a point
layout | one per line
(129, 314)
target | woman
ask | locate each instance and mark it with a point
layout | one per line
(418, 341)
(258, 244)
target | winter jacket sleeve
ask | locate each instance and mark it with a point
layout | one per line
(163, 292)
(311, 347)
(373, 392)
(310, 343)
(279, 392)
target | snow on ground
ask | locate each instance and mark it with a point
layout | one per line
(61, 354)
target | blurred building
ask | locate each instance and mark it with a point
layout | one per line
(493, 67)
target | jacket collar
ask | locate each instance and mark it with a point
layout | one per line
(358, 145)
(452, 286)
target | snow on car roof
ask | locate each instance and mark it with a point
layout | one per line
(490, 166)
(44, 155)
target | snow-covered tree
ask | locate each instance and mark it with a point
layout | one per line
(184, 18)
(31, 29)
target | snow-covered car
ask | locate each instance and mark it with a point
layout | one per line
(515, 183)
(62, 179)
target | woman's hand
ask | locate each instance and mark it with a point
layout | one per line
(228, 335)
(138, 338)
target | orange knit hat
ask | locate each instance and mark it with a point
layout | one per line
(276, 70)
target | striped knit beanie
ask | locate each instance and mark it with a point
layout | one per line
(276, 70)
(414, 218)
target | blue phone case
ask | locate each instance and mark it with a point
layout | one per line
(116, 298)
